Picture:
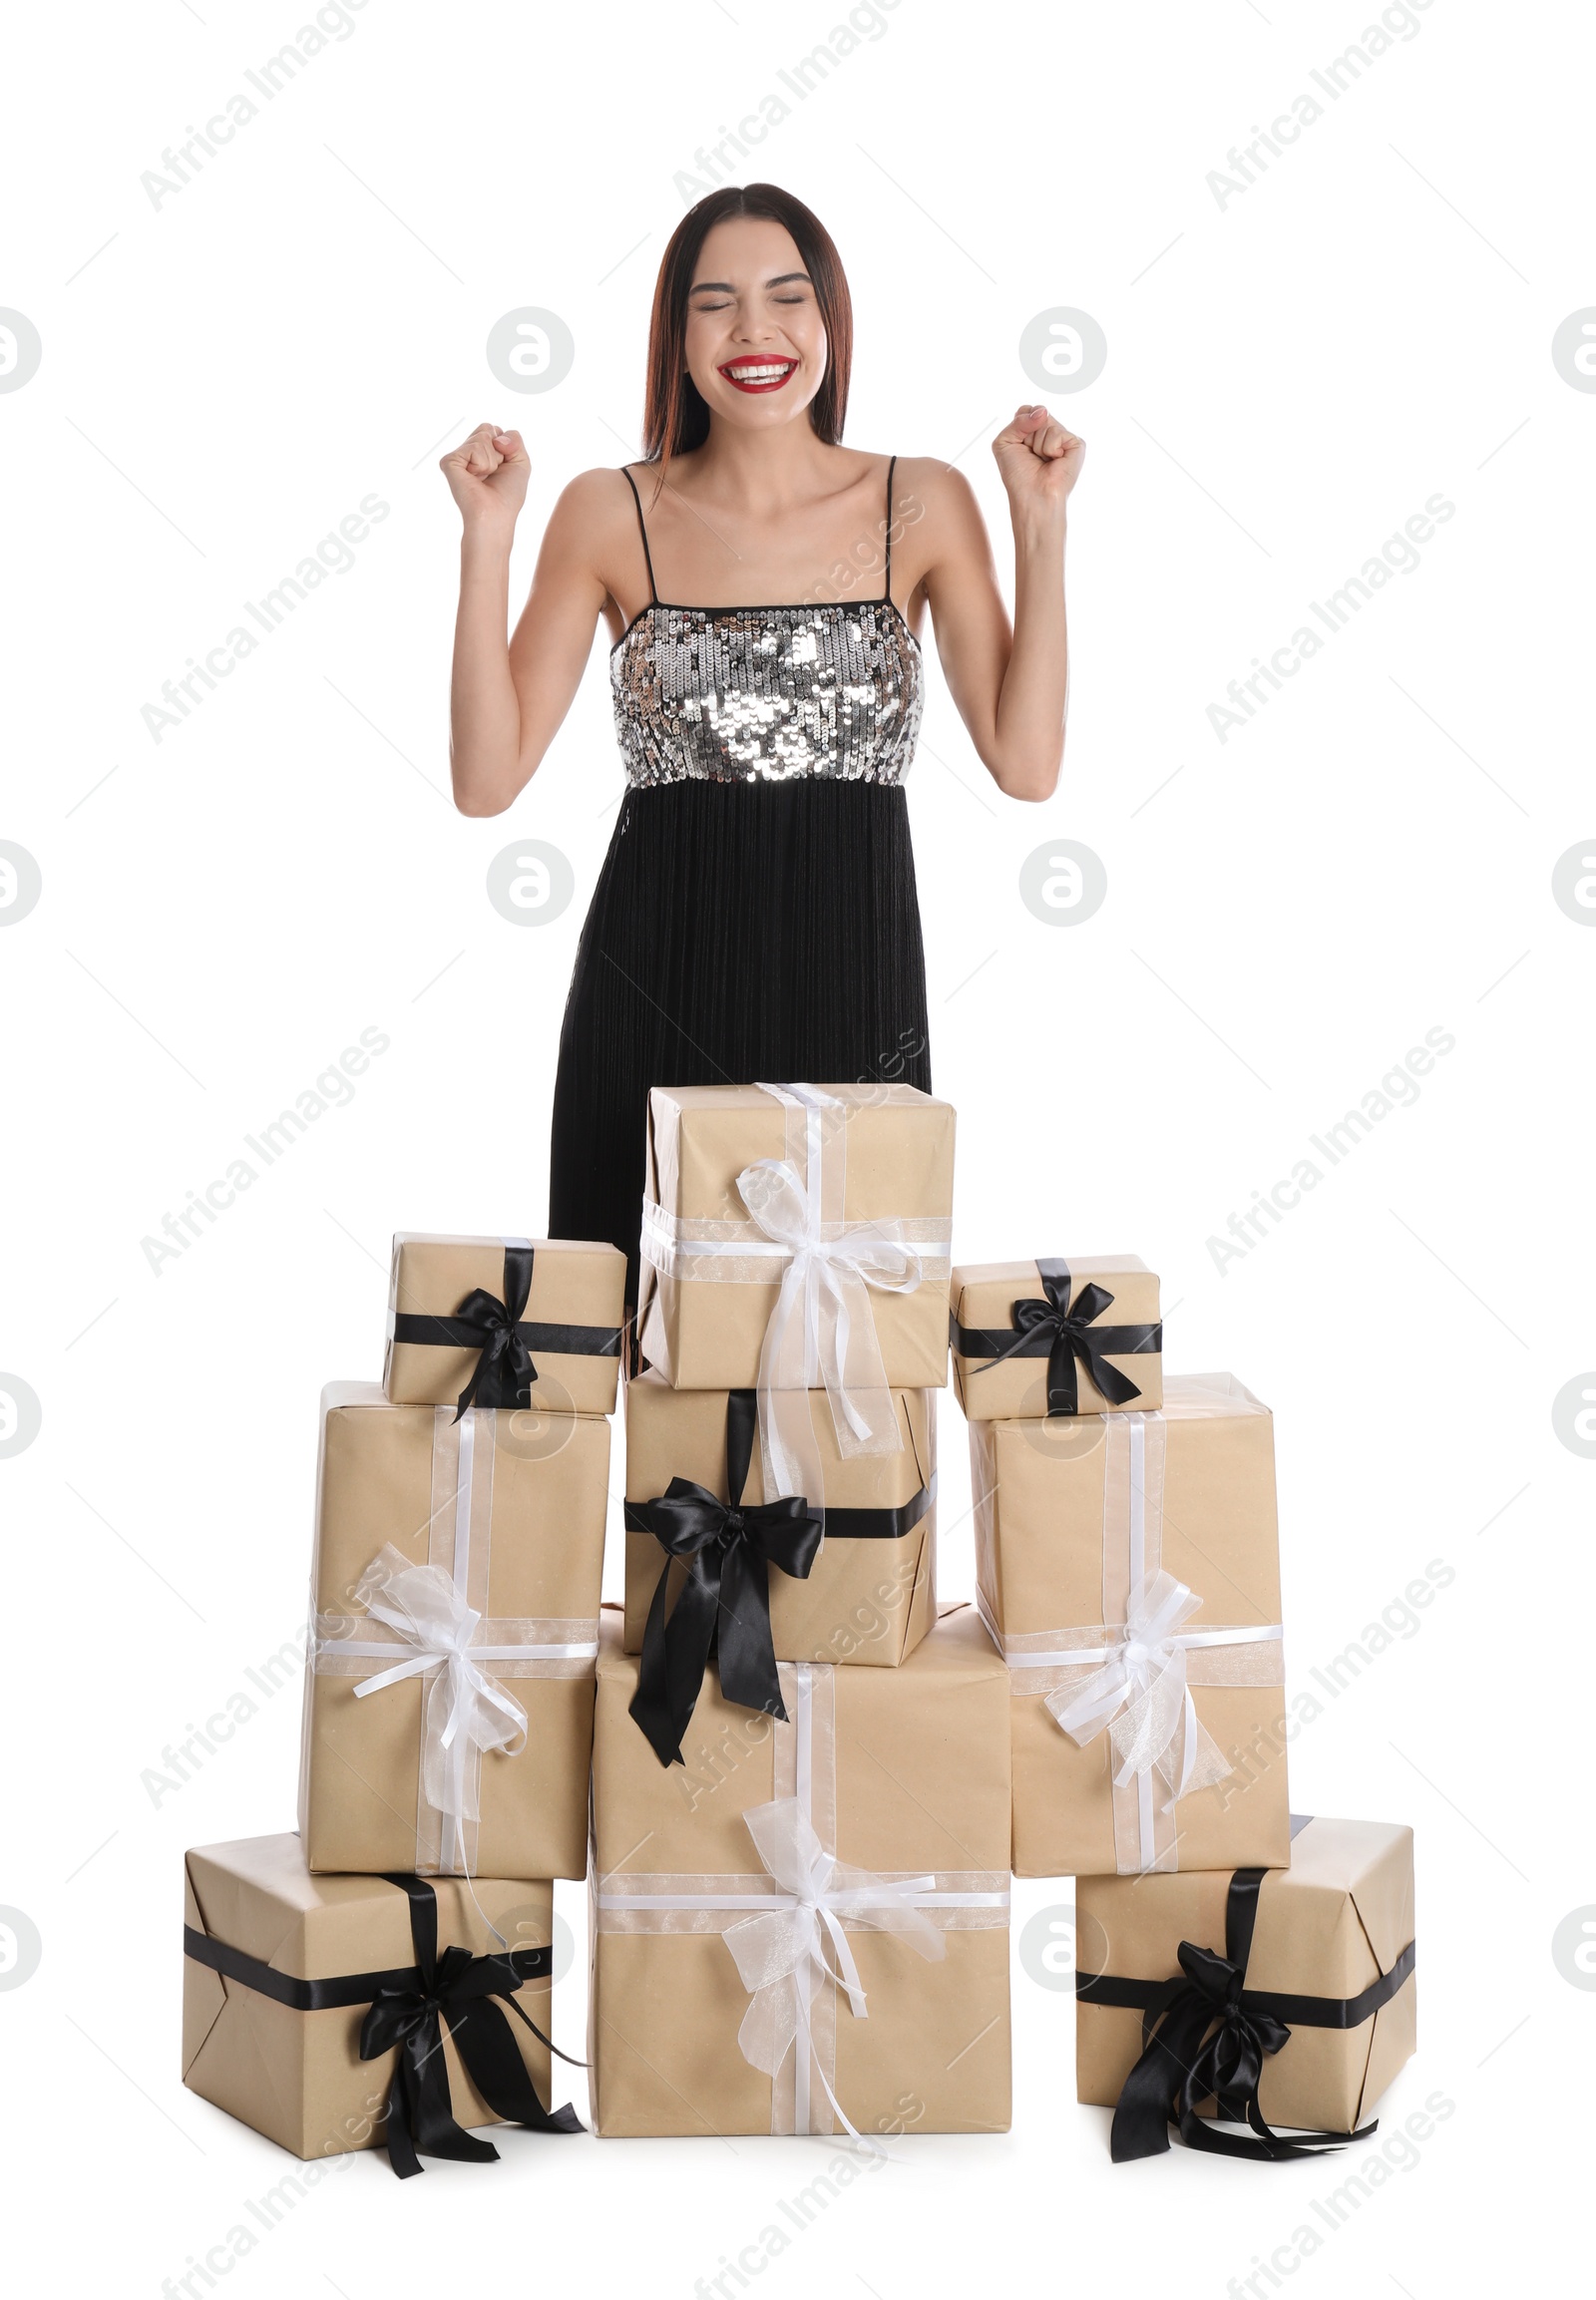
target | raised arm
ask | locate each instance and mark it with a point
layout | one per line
(508, 696)
(1011, 683)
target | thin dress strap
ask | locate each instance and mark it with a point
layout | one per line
(886, 596)
(654, 592)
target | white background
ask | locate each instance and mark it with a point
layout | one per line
(1290, 376)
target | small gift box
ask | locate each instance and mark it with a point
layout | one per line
(797, 1237)
(1128, 1569)
(504, 1321)
(1047, 1338)
(714, 1564)
(1266, 1998)
(449, 1679)
(339, 2013)
(807, 1931)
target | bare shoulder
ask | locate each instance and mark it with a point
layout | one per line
(592, 533)
(595, 504)
(935, 501)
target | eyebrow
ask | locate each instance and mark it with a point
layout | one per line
(725, 287)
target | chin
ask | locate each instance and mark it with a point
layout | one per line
(760, 411)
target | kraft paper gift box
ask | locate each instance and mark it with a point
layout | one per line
(1325, 1953)
(702, 2018)
(870, 1183)
(1051, 1336)
(281, 1971)
(1128, 1569)
(865, 1592)
(424, 1522)
(504, 1321)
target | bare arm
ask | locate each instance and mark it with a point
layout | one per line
(1011, 684)
(508, 696)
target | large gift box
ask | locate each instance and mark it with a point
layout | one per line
(797, 1237)
(1305, 1974)
(712, 1556)
(504, 1321)
(805, 1928)
(449, 1681)
(1051, 1336)
(305, 2006)
(1128, 1569)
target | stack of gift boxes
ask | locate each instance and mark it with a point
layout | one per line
(807, 1784)
(1228, 1952)
(350, 1983)
(803, 1925)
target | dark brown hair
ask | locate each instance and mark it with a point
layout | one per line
(676, 416)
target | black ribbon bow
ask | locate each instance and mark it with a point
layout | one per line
(407, 2011)
(1071, 1334)
(503, 1337)
(725, 1605)
(503, 1372)
(1205, 2036)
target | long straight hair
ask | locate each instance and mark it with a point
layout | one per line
(675, 415)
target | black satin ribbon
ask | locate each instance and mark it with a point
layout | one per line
(406, 2007)
(1296, 2012)
(503, 1372)
(725, 1606)
(1063, 1331)
(536, 1332)
(1206, 2036)
(888, 1524)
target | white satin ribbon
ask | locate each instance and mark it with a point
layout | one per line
(822, 1329)
(1135, 1677)
(788, 1930)
(467, 1712)
(1142, 1695)
(430, 1627)
(781, 1955)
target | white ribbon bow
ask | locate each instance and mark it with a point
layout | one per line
(467, 1711)
(822, 1322)
(1142, 1695)
(781, 1955)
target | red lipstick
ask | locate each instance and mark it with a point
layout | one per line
(756, 371)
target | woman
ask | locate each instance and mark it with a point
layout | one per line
(756, 915)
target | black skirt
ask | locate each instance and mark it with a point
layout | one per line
(738, 932)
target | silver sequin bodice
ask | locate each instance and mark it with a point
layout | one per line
(767, 694)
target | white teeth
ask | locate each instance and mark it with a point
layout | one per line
(760, 374)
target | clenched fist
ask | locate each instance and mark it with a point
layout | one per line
(488, 474)
(1038, 461)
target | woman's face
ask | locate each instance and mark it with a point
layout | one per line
(755, 346)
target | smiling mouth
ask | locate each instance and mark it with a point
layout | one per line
(758, 374)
